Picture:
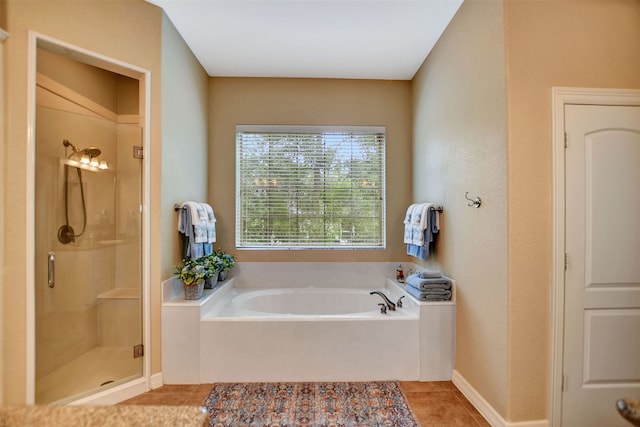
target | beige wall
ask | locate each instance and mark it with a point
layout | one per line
(81, 78)
(184, 137)
(549, 43)
(126, 30)
(459, 145)
(235, 101)
(503, 331)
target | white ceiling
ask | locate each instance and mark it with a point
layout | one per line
(355, 39)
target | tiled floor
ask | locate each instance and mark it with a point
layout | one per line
(441, 404)
(437, 404)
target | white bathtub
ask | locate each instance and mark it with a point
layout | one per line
(308, 334)
(313, 333)
(307, 302)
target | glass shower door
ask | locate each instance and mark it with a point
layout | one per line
(88, 254)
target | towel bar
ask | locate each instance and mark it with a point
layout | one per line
(177, 207)
(437, 208)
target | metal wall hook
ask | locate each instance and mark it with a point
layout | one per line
(475, 202)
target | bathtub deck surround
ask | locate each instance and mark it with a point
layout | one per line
(181, 331)
(305, 322)
(308, 334)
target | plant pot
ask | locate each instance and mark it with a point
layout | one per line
(223, 275)
(194, 291)
(211, 282)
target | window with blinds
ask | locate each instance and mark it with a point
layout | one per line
(308, 187)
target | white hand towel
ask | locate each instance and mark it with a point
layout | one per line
(211, 223)
(424, 215)
(421, 224)
(407, 216)
(416, 224)
(408, 231)
(198, 214)
(416, 214)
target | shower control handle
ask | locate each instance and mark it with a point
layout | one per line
(51, 270)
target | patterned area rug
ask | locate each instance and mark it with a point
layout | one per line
(348, 404)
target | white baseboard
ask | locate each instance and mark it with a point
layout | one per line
(156, 381)
(486, 410)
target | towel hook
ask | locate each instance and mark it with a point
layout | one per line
(475, 202)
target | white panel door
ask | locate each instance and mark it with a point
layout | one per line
(601, 361)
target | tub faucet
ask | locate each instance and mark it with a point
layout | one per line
(390, 304)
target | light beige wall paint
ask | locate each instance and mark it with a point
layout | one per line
(128, 95)
(459, 144)
(127, 30)
(184, 137)
(81, 78)
(549, 43)
(235, 101)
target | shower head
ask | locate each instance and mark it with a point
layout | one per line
(66, 143)
(92, 151)
(86, 157)
(75, 151)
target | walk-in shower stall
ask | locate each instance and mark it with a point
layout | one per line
(88, 245)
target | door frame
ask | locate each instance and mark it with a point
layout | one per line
(36, 40)
(561, 96)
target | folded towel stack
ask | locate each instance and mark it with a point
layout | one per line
(428, 274)
(197, 224)
(429, 285)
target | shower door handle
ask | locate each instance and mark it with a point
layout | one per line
(51, 271)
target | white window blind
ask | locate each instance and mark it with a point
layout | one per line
(310, 187)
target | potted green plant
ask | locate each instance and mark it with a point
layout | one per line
(212, 265)
(192, 275)
(228, 261)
